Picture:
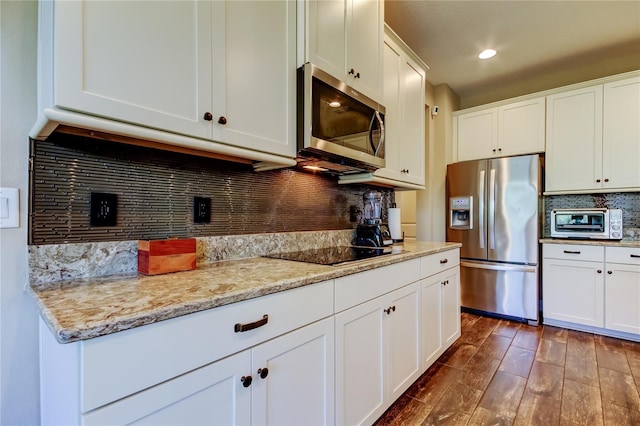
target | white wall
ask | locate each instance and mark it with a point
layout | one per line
(19, 372)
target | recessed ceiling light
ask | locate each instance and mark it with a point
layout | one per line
(334, 104)
(487, 53)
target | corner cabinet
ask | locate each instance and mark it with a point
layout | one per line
(593, 139)
(592, 288)
(404, 100)
(220, 71)
(344, 38)
(512, 129)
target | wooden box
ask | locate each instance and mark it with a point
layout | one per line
(163, 256)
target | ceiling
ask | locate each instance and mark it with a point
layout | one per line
(540, 44)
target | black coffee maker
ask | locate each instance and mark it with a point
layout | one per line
(371, 232)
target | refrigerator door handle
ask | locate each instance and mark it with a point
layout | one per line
(496, 267)
(481, 209)
(492, 209)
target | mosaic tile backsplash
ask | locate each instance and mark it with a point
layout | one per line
(155, 191)
(629, 202)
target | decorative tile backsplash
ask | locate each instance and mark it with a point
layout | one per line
(629, 202)
(155, 191)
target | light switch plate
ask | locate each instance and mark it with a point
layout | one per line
(9, 208)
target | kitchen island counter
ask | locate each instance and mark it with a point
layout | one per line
(86, 308)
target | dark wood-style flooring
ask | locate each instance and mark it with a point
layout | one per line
(502, 373)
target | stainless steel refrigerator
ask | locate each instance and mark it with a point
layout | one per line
(493, 209)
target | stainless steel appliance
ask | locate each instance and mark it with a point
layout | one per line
(339, 128)
(598, 224)
(493, 210)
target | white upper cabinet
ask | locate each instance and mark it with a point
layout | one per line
(344, 38)
(146, 63)
(511, 129)
(404, 92)
(621, 134)
(404, 100)
(593, 138)
(211, 71)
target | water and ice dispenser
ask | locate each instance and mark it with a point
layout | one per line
(461, 212)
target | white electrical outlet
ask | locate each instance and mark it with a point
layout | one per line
(9, 208)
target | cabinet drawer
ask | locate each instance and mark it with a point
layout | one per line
(573, 252)
(120, 364)
(628, 255)
(358, 288)
(436, 263)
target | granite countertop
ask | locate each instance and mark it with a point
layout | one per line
(609, 243)
(82, 309)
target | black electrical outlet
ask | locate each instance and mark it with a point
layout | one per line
(202, 210)
(104, 209)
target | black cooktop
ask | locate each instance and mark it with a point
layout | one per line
(335, 255)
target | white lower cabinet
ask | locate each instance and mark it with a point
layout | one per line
(440, 314)
(592, 288)
(377, 354)
(287, 380)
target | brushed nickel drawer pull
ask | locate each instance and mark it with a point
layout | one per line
(241, 328)
(571, 252)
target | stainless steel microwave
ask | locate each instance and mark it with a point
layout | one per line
(600, 224)
(339, 128)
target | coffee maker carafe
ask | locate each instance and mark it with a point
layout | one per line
(371, 232)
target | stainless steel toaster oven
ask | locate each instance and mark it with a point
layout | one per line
(597, 224)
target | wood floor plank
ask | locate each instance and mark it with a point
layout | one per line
(555, 333)
(581, 405)
(467, 319)
(612, 357)
(456, 405)
(537, 410)
(507, 328)
(478, 372)
(527, 337)
(405, 411)
(615, 415)
(551, 351)
(546, 380)
(634, 364)
(503, 394)
(619, 388)
(517, 361)
(430, 387)
(494, 346)
(581, 365)
(458, 354)
(483, 417)
(476, 334)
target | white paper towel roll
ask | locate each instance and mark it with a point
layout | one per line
(395, 227)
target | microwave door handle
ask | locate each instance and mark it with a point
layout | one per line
(375, 149)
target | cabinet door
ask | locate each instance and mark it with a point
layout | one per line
(431, 310)
(297, 388)
(326, 36)
(521, 127)
(146, 63)
(254, 75)
(403, 343)
(622, 298)
(621, 134)
(360, 363)
(573, 291)
(365, 36)
(412, 107)
(451, 307)
(393, 115)
(211, 395)
(574, 140)
(477, 134)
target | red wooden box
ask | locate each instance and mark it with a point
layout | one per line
(163, 256)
